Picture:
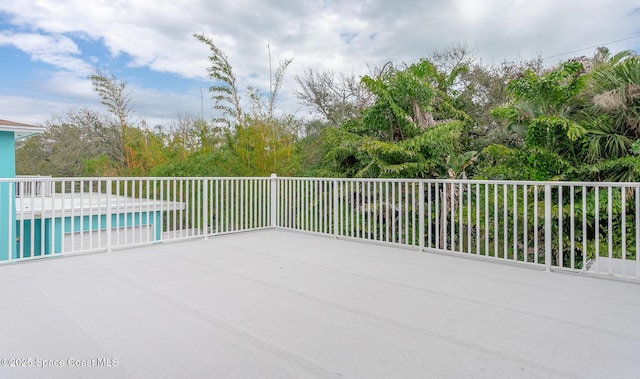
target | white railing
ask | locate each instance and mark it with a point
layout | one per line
(36, 187)
(590, 228)
(98, 214)
(580, 227)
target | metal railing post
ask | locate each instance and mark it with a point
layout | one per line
(421, 215)
(336, 212)
(205, 207)
(274, 200)
(547, 227)
(109, 222)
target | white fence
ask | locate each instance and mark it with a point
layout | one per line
(34, 187)
(98, 214)
(582, 227)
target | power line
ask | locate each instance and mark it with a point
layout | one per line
(593, 47)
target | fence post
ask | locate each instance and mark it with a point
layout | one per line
(336, 211)
(547, 227)
(274, 200)
(205, 208)
(421, 215)
(109, 222)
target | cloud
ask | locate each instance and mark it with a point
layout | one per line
(157, 34)
(166, 105)
(64, 92)
(30, 109)
(55, 50)
(324, 34)
(68, 86)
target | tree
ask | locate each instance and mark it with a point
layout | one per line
(543, 106)
(544, 109)
(115, 97)
(613, 117)
(335, 96)
(188, 134)
(583, 113)
(408, 131)
(258, 141)
(484, 88)
(224, 91)
(261, 147)
(70, 142)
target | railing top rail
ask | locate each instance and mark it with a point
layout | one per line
(123, 178)
(472, 181)
(282, 178)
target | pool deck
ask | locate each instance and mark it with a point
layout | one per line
(279, 304)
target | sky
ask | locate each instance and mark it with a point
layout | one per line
(48, 47)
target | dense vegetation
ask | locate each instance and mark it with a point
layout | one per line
(446, 116)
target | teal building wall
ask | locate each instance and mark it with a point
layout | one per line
(7, 201)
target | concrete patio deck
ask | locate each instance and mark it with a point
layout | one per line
(278, 304)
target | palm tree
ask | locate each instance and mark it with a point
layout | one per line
(613, 118)
(543, 108)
